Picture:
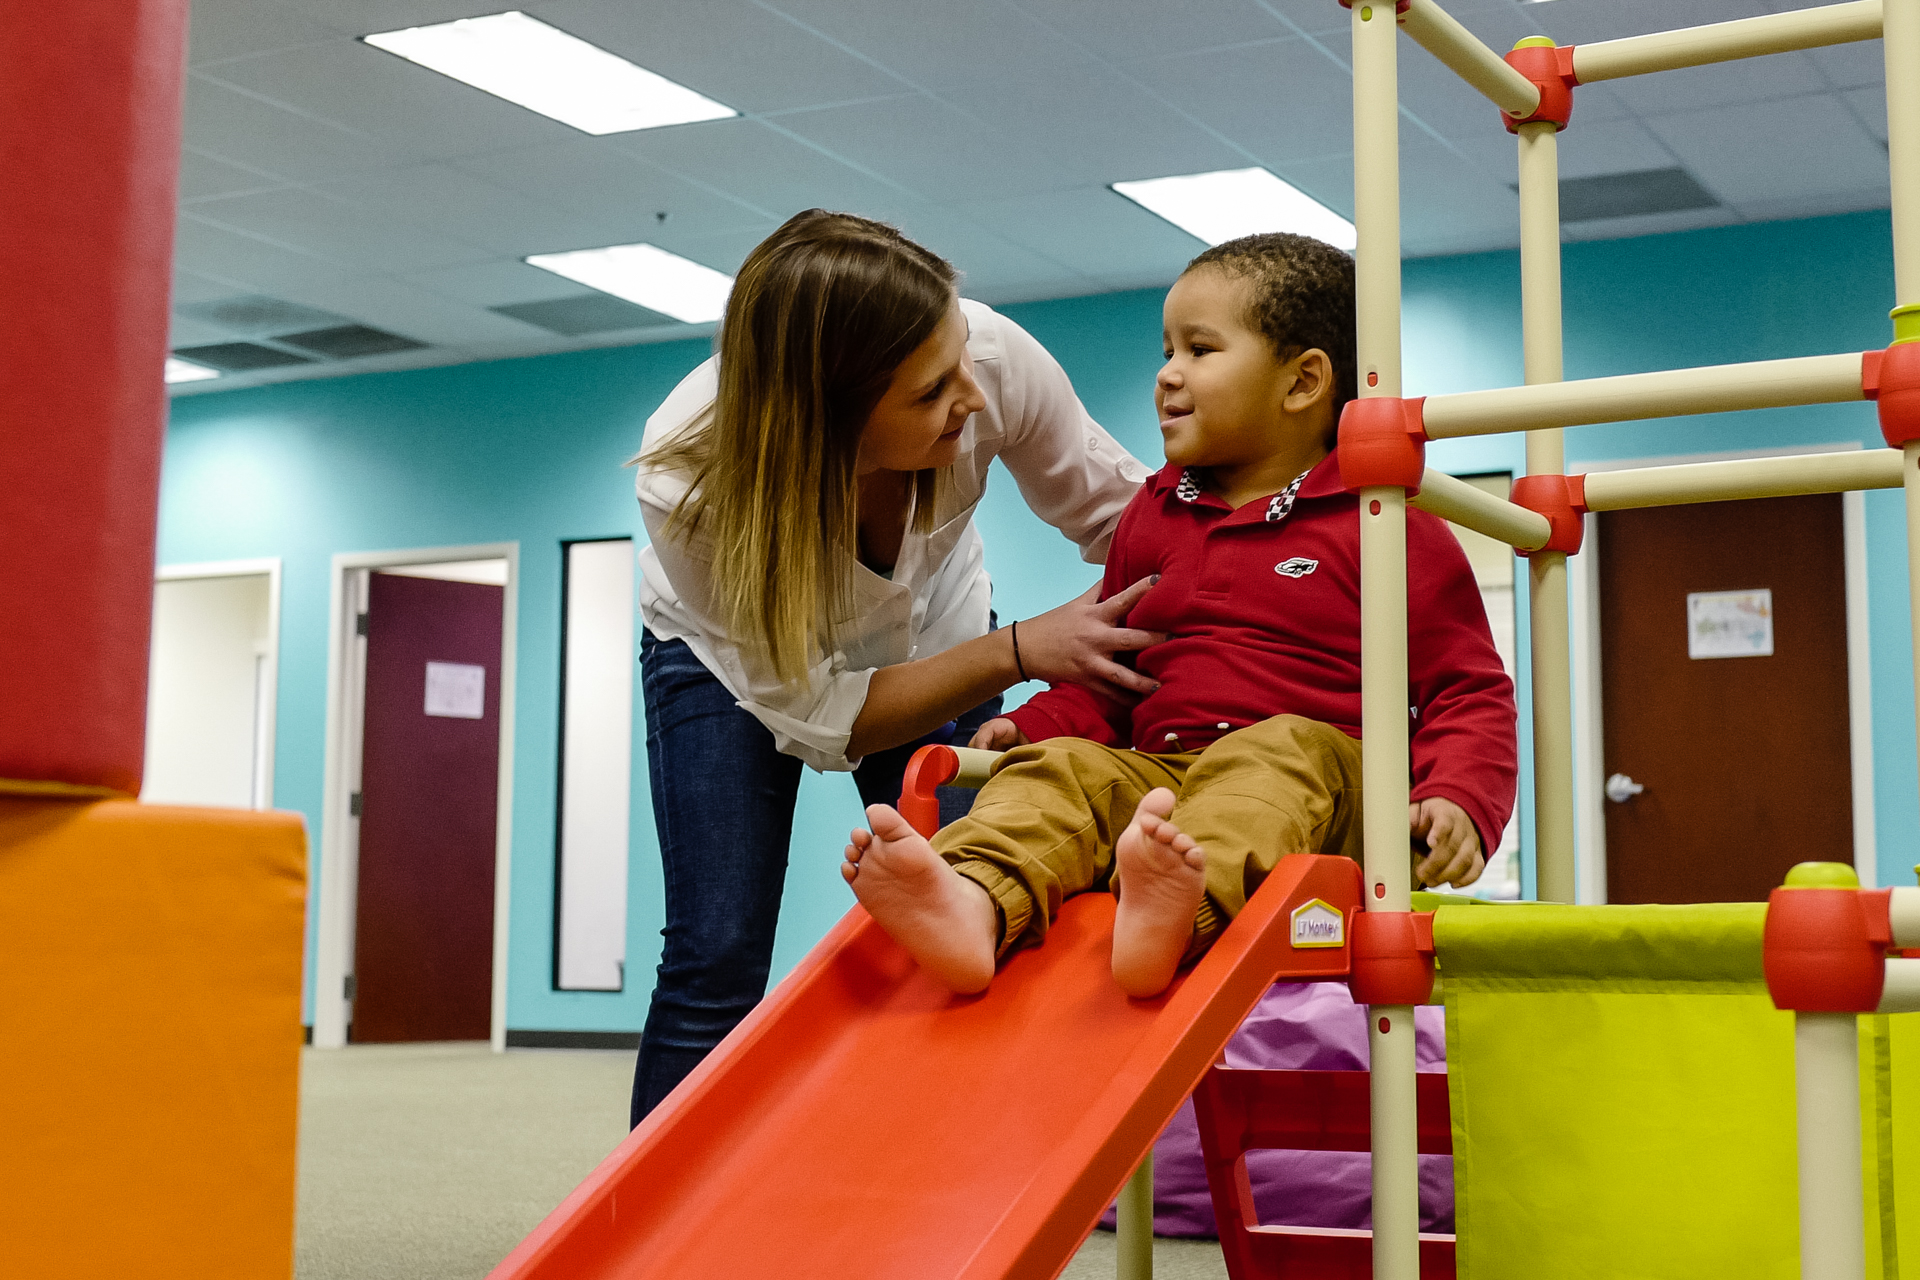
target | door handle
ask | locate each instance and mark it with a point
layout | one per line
(1620, 788)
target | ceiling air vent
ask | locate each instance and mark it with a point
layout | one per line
(586, 313)
(345, 341)
(1624, 195)
(255, 315)
(238, 357)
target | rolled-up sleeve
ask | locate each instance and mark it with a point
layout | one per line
(810, 719)
(1072, 473)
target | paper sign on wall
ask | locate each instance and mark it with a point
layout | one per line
(1730, 624)
(457, 689)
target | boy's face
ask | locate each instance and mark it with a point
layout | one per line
(1223, 395)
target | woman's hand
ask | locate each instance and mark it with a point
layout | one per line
(1454, 845)
(998, 734)
(1075, 643)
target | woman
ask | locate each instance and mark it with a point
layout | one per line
(814, 592)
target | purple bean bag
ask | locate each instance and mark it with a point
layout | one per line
(1299, 1026)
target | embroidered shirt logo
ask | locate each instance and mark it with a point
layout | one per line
(1298, 567)
(1318, 924)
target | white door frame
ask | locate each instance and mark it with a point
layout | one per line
(1589, 741)
(268, 689)
(340, 829)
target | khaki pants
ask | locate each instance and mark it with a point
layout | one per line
(1044, 826)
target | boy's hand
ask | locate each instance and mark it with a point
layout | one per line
(998, 734)
(1454, 845)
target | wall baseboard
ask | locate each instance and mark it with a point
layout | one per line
(573, 1039)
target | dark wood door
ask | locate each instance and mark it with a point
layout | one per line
(423, 953)
(1745, 759)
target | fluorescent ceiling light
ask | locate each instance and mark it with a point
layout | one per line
(179, 370)
(647, 275)
(1230, 203)
(544, 69)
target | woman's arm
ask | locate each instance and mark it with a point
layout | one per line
(1066, 644)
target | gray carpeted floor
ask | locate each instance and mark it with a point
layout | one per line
(430, 1162)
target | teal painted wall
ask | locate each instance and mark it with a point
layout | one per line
(530, 451)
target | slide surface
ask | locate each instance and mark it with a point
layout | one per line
(864, 1122)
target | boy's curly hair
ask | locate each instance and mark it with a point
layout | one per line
(1302, 297)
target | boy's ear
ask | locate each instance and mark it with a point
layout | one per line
(1314, 381)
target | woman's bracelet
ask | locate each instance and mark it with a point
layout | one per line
(1018, 665)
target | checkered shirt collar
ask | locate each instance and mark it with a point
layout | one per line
(1188, 490)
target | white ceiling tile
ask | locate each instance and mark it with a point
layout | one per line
(724, 251)
(383, 96)
(1098, 127)
(459, 204)
(229, 125)
(203, 177)
(493, 284)
(1121, 30)
(1573, 22)
(246, 262)
(757, 163)
(940, 46)
(1620, 146)
(189, 287)
(1765, 152)
(194, 333)
(1093, 231)
(330, 228)
(996, 269)
(618, 195)
(408, 310)
(222, 29)
(1849, 66)
(1782, 75)
(1870, 108)
(1315, 17)
(1284, 101)
(932, 149)
(735, 52)
(364, 17)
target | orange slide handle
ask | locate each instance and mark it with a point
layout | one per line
(930, 769)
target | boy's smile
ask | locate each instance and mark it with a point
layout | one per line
(1227, 402)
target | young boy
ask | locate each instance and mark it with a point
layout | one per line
(1247, 750)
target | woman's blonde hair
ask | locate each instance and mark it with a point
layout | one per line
(821, 314)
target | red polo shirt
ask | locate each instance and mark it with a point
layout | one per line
(1262, 611)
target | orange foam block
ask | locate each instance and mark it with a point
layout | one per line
(149, 1039)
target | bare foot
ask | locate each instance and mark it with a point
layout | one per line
(1162, 877)
(944, 920)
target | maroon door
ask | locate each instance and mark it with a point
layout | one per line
(1746, 761)
(423, 954)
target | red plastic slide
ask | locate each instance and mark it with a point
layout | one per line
(864, 1122)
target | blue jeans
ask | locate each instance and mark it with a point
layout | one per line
(723, 806)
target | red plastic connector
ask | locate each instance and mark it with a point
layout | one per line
(1563, 501)
(1383, 441)
(1892, 379)
(1551, 70)
(1392, 957)
(930, 769)
(1825, 948)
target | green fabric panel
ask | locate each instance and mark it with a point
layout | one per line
(1622, 1094)
(1903, 1096)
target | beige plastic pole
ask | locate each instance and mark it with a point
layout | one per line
(1725, 41)
(1671, 393)
(1739, 478)
(1133, 1225)
(1383, 632)
(1473, 508)
(1827, 1092)
(1437, 31)
(1903, 165)
(1547, 571)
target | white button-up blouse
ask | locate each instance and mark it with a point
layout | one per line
(1072, 474)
